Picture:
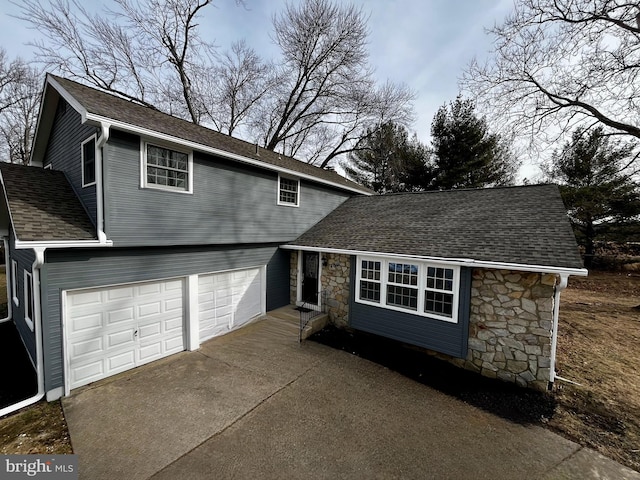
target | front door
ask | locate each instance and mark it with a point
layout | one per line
(310, 271)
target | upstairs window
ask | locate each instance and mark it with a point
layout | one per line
(89, 162)
(421, 288)
(14, 282)
(166, 168)
(288, 191)
(28, 299)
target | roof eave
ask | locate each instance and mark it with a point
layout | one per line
(91, 117)
(25, 244)
(463, 262)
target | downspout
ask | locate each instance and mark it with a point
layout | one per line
(37, 331)
(9, 316)
(105, 129)
(554, 333)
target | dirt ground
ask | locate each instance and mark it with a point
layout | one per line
(599, 334)
(598, 347)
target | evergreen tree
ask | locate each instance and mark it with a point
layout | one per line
(598, 187)
(387, 160)
(465, 153)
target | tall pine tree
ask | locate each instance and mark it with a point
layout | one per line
(465, 153)
(598, 186)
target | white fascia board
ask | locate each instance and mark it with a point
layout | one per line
(463, 262)
(77, 106)
(213, 151)
(20, 244)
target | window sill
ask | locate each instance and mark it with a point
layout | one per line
(160, 188)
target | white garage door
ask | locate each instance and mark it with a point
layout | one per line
(228, 300)
(110, 330)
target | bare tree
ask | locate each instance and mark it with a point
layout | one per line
(18, 120)
(563, 63)
(324, 96)
(136, 51)
(234, 87)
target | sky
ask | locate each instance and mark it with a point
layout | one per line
(425, 44)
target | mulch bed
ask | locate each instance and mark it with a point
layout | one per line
(17, 376)
(506, 400)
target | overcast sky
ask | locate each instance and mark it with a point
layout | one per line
(423, 43)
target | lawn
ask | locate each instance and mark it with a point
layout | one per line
(598, 342)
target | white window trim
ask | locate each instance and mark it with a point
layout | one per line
(28, 286)
(288, 204)
(422, 286)
(95, 154)
(143, 167)
(14, 283)
(48, 166)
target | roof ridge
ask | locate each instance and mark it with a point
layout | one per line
(458, 190)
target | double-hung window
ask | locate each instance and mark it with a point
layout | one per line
(14, 282)
(288, 191)
(421, 288)
(28, 299)
(89, 162)
(166, 168)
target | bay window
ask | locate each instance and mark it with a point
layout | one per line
(418, 287)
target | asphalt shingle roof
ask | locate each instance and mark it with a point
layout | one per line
(526, 225)
(110, 106)
(43, 205)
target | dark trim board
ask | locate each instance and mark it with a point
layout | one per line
(440, 336)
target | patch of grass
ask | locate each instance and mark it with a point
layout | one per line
(39, 429)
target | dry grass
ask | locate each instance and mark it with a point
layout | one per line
(598, 347)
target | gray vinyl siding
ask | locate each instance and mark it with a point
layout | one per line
(71, 269)
(437, 335)
(64, 153)
(278, 282)
(24, 259)
(231, 203)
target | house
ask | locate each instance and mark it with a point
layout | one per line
(135, 235)
(473, 275)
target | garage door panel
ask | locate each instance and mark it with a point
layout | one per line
(86, 322)
(118, 294)
(113, 329)
(87, 347)
(119, 316)
(228, 300)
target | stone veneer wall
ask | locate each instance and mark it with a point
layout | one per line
(335, 281)
(293, 278)
(510, 326)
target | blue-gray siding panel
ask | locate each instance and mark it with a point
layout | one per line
(278, 280)
(64, 153)
(24, 259)
(71, 269)
(231, 203)
(444, 337)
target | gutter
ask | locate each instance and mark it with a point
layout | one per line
(463, 262)
(554, 332)
(104, 137)
(37, 331)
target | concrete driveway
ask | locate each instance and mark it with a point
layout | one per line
(255, 404)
